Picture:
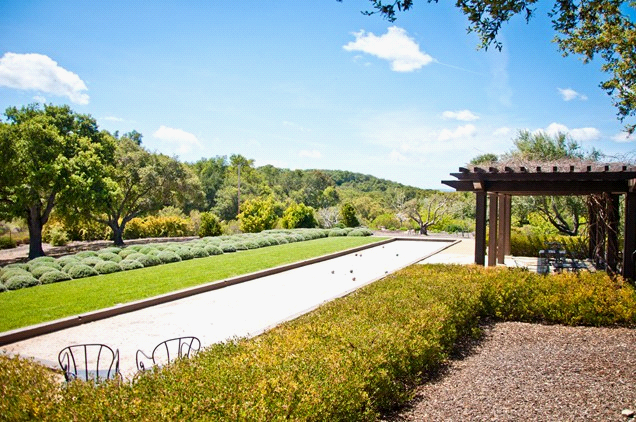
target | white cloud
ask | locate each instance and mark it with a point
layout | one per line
(394, 46)
(502, 132)
(179, 141)
(465, 131)
(463, 115)
(39, 99)
(313, 154)
(579, 134)
(39, 72)
(569, 94)
(585, 134)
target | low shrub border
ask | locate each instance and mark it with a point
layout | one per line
(103, 260)
(351, 359)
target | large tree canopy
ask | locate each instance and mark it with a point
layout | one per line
(139, 182)
(588, 28)
(48, 156)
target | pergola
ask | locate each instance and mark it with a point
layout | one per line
(499, 182)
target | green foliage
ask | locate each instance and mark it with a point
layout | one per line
(56, 156)
(210, 225)
(147, 260)
(106, 256)
(91, 260)
(53, 276)
(168, 257)
(529, 245)
(352, 359)
(106, 267)
(337, 232)
(85, 254)
(298, 216)
(55, 234)
(258, 215)
(157, 226)
(361, 232)
(213, 250)
(348, 216)
(9, 272)
(387, 221)
(127, 264)
(78, 271)
(38, 271)
(20, 281)
(7, 242)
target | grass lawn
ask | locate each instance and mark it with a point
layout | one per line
(43, 303)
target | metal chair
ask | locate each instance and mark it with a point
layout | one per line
(168, 351)
(96, 362)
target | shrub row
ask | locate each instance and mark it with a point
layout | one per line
(351, 359)
(44, 270)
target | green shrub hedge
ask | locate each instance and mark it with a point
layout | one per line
(106, 260)
(351, 359)
(106, 267)
(78, 271)
(54, 276)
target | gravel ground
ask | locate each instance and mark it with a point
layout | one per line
(531, 372)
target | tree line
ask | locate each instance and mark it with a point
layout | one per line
(59, 163)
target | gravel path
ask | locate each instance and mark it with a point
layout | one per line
(531, 372)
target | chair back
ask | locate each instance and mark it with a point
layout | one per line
(96, 362)
(169, 350)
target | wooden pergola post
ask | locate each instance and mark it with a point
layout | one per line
(481, 227)
(493, 229)
(504, 227)
(628, 265)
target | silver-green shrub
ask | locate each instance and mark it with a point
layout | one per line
(106, 267)
(91, 260)
(110, 257)
(21, 281)
(168, 257)
(42, 269)
(130, 264)
(54, 276)
(148, 260)
(78, 271)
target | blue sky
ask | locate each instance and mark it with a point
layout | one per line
(304, 84)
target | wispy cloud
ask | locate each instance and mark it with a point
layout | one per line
(312, 154)
(39, 99)
(39, 72)
(177, 140)
(569, 94)
(394, 46)
(113, 119)
(463, 115)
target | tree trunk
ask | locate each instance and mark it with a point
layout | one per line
(118, 234)
(423, 230)
(35, 233)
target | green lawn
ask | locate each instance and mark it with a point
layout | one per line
(43, 303)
